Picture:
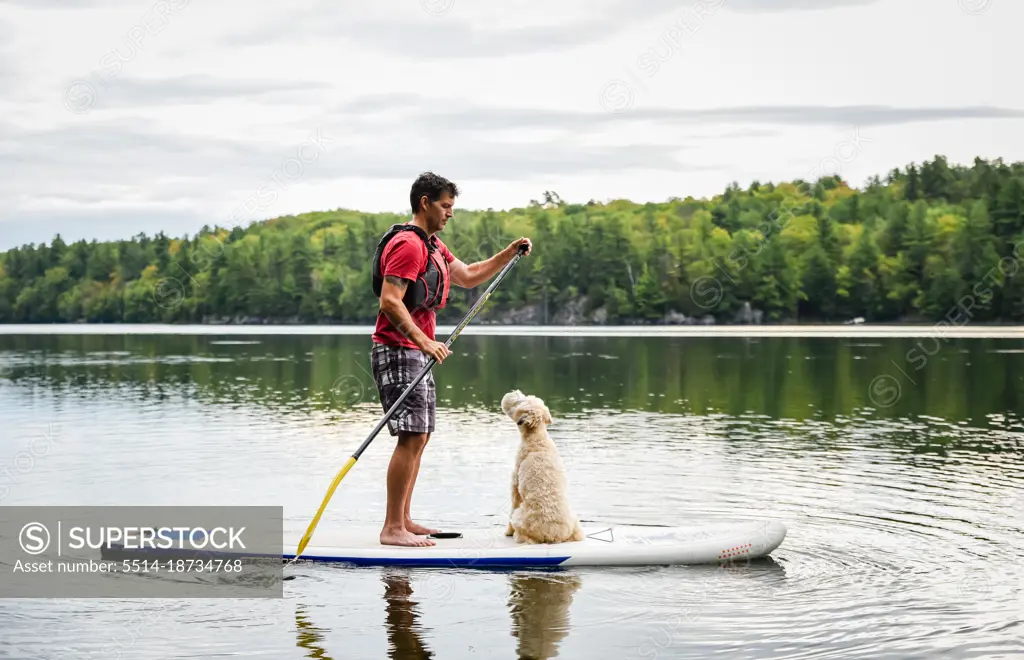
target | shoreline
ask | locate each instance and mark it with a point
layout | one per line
(967, 331)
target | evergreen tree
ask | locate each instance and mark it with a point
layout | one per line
(913, 185)
(648, 298)
(818, 285)
(1008, 209)
(864, 276)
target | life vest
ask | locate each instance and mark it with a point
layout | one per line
(430, 289)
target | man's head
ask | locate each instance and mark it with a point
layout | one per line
(432, 198)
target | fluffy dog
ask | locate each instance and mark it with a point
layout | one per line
(540, 503)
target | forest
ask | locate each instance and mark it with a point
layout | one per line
(932, 242)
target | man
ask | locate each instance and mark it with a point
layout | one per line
(403, 340)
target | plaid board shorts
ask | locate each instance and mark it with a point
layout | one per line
(394, 368)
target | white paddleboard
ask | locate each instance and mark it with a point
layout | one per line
(617, 545)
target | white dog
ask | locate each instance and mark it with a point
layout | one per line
(540, 503)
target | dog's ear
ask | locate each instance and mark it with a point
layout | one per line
(531, 413)
(543, 414)
(526, 415)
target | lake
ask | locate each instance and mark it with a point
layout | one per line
(895, 462)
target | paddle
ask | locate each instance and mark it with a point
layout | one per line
(430, 363)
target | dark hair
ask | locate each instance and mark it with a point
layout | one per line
(431, 185)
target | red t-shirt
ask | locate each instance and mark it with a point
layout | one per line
(406, 256)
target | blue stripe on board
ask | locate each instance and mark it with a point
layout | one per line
(461, 562)
(116, 551)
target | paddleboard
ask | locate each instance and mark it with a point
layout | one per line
(617, 545)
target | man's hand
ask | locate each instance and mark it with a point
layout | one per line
(514, 245)
(435, 349)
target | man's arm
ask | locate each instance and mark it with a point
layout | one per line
(391, 293)
(468, 276)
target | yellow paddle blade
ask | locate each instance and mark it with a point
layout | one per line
(327, 498)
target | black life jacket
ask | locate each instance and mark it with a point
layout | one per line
(430, 289)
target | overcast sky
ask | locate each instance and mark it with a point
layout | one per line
(120, 116)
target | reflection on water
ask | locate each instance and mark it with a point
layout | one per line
(309, 637)
(402, 620)
(539, 604)
(901, 481)
(788, 377)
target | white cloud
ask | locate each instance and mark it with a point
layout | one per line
(120, 117)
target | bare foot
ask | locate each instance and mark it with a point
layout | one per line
(392, 536)
(419, 529)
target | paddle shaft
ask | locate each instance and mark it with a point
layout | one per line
(408, 390)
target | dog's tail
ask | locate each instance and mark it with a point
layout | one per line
(577, 532)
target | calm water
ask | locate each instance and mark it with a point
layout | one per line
(895, 463)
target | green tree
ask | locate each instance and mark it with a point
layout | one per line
(818, 285)
(648, 298)
(864, 263)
